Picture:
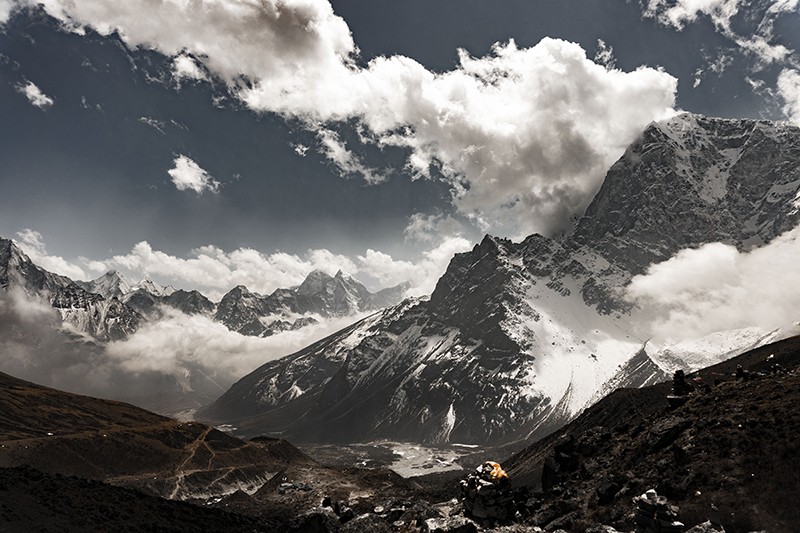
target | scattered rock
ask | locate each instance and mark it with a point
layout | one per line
(452, 524)
(317, 521)
(706, 527)
(366, 523)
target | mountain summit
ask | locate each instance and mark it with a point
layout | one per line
(518, 338)
(320, 295)
(85, 312)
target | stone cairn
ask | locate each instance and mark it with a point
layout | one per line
(486, 493)
(680, 389)
(654, 514)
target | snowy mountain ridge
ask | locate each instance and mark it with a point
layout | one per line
(111, 307)
(518, 338)
(319, 296)
(84, 312)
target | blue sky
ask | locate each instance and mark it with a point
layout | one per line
(211, 143)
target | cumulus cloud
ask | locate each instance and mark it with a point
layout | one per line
(716, 287)
(187, 175)
(759, 42)
(35, 95)
(604, 55)
(523, 135)
(789, 91)
(345, 161)
(215, 271)
(6, 8)
(428, 228)
(212, 269)
(184, 67)
(422, 273)
(32, 243)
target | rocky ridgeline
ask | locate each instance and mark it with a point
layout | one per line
(110, 308)
(518, 338)
(319, 295)
(103, 318)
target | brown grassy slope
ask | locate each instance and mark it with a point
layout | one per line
(60, 432)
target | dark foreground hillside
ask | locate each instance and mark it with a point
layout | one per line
(734, 447)
(31, 500)
(730, 454)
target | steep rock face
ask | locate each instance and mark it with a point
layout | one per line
(150, 304)
(240, 311)
(112, 284)
(518, 338)
(189, 302)
(85, 312)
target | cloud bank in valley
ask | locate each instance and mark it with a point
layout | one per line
(179, 344)
(178, 352)
(523, 135)
(716, 287)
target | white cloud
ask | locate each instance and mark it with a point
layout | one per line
(179, 343)
(789, 91)
(213, 270)
(428, 228)
(422, 273)
(717, 288)
(187, 175)
(523, 136)
(153, 123)
(300, 149)
(604, 55)
(722, 13)
(345, 161)
(33, 245)
(35, 95)
(186, 68)
(6, 8)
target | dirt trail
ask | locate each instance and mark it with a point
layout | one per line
(180, 471)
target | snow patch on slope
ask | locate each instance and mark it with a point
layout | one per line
(571, 350)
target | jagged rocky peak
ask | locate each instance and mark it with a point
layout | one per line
(11, 256)
(694, 179)
(85, 311)
(112, 284)
(316, 282)
(154, 288)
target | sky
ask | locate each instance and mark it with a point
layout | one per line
(211, 143)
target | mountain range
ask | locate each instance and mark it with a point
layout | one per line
(112, 308)
(518, 338)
